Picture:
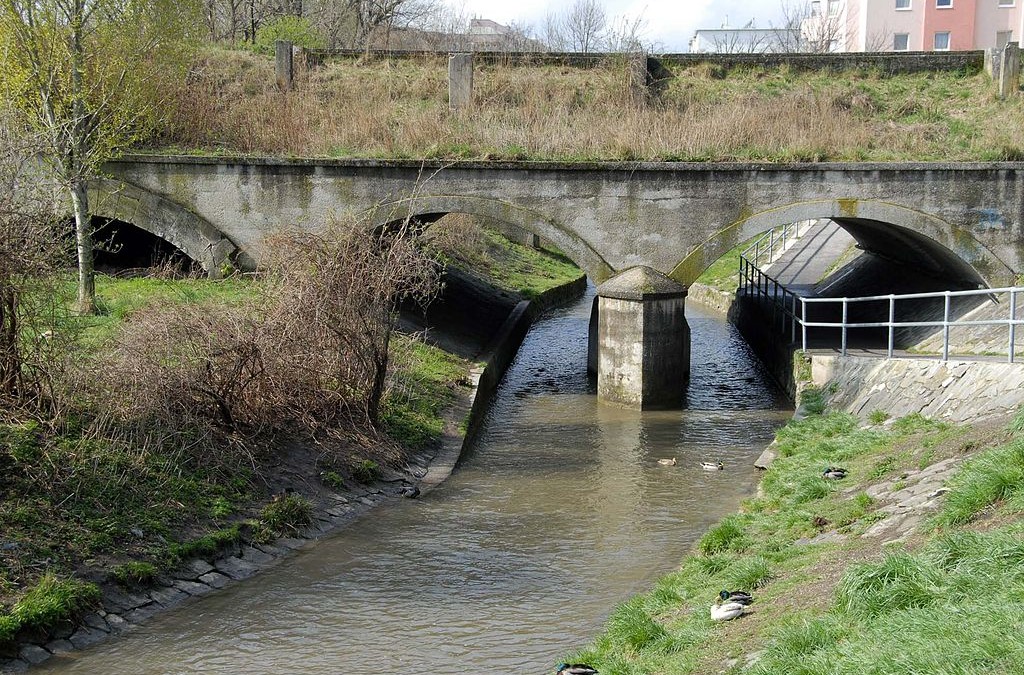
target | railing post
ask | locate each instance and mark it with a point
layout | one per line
(945, 329)
(1013, 325)
(792, 322)
(771, 246)
(845, 310)
(892, 319)
(803, 321)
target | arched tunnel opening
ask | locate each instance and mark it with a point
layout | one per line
(857, 257)
(122, 249)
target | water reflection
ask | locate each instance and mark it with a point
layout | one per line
(560, 512)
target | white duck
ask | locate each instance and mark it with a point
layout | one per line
(712, 466)
(667, 462)
(726, 611)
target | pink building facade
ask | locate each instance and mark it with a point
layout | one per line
(914, 25)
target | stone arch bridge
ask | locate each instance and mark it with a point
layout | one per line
(961, 221)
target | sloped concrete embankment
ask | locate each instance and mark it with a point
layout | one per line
(954, 391)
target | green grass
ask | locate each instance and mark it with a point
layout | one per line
(513, 267)
(930, 600)
(135, 573)
(366, 471)
(991, 477)
(422, 388)
(287, 513)
(118, 298)
(51, 601)
(723, 274)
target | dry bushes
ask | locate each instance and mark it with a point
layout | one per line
(30, 252)
(309, 359)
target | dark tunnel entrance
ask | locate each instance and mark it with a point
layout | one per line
(122, 249)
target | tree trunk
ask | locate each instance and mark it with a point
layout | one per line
(86, 303)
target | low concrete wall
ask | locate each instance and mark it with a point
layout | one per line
(766, 341)
(886, 62)
(710, 298)
(956, 391)
(505, 345)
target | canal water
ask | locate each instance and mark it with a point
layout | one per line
(558, 513)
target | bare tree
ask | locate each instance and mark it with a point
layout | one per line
(627, 34)
(586, 25)
(811, 29)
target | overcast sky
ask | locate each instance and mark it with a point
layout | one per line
(670, 22)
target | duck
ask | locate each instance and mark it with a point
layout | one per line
(712, 466)
(410, 492)
(667, 462)
(833, 473)
(727, 611)
(741, 597)
(575, 669)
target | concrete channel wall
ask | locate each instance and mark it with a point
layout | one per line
(505, 345)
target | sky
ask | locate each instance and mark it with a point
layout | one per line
(670, 23)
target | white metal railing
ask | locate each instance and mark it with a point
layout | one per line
(774, 242)
(789, 308)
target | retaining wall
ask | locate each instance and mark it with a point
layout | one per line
(886, 62)
(956, 391)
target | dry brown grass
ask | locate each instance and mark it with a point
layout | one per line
(399, 109)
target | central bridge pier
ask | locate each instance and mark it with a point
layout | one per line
(639, 340)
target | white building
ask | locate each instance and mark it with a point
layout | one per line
(744, 40)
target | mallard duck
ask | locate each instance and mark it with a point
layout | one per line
(667, 462)
(575, 669)
(712, 466)
(410, 492)
(726, 611)
(833, 473)
(741, 597)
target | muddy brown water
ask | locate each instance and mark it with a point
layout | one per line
(559, 512)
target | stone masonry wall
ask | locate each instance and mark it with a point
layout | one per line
(954, 391)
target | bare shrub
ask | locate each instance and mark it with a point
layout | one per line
(310, 358)
(30, 252)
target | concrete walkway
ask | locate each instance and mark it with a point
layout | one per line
(805, 264)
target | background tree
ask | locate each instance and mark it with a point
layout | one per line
(87, 75)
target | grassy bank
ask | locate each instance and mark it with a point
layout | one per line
(464, 242)
(399, 109)
(85, 505)
(831, 596)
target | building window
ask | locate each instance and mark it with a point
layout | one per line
(905, 4)
(833, 7)
(943, 3)
(901, 42)
(1003, 37)
(1006, 3)
(816, 8)
(942, 42)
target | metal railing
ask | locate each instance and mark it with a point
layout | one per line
(774, 243)
(790, 310)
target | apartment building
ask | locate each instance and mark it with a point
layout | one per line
(912, 25)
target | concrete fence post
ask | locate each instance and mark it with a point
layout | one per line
(1009, 71)
(460, 81)
(284, 65)
(992, 58)
(637, 80)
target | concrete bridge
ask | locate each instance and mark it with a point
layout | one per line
(959, 221)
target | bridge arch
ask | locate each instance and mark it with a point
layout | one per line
(432, 207)
(163, 218)
(892, 230)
